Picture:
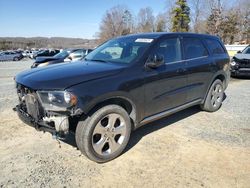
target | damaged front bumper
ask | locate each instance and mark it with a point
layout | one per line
(240, 72)
(29, 120)
(34, 109)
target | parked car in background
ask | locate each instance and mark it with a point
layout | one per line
(18, 51)
(30, 53)
(10, 56)
(26, 53)
(67, 55)
(47, 53)
(123, 84)
(240, 63)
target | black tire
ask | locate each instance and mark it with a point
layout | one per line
(15, 59)
(85, 134)
(214, 99)
(233, 75)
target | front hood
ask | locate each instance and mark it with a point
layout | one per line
(242, 56)
(44, 59)
(62, 76)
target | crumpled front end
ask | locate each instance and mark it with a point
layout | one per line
(43, 116)
(240, 67)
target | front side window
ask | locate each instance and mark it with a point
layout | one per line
(169, 49)
(193, 48)
(122, 50)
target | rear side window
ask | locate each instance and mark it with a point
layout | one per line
(194, 48)
(215, 46)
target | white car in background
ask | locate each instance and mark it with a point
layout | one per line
(29, 53)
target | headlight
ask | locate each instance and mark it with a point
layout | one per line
(57, 100)
(43, 64)
(233, 63)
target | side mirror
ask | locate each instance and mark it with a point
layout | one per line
(239, 52)
(155, 60)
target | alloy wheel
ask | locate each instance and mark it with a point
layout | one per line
(217, 95)
(109, 133)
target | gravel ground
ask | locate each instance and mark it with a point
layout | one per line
(188, 149)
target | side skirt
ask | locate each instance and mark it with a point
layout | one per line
(169, 112)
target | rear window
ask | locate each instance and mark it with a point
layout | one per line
(215, 46)
(193, 48)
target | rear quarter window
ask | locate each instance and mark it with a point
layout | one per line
(215, 46)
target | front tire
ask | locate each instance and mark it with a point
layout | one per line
(104, 135)
(15, 59)
(214, 97)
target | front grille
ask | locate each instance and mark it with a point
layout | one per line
(244, 63)
(32, 106)
(29, 102)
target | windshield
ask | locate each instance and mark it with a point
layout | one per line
(246, 50)
(121, 50)
(62, 54)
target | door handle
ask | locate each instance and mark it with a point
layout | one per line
(181, 70)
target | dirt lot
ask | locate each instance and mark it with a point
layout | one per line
(189, 149)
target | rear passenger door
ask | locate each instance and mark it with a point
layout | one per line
(198, 65)
(165, 86)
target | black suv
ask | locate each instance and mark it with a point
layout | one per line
(240, 64)
(125, 83)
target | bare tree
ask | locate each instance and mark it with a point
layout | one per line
(229, 26)
(169, 6)
(215, 18)
(199, 14)
(243, 9)
(160, 23)
(117, 21)
(230, 21)
(145, 20)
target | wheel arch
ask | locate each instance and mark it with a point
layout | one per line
(122, 101)
(221, 76)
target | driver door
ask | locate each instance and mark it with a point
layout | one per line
(165, 85)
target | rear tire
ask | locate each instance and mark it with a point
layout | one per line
(214, 97)
(104, 135)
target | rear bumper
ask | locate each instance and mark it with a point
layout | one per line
(29, 120)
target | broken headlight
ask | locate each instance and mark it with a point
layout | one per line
(57, 100)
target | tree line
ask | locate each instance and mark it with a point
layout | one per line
(13, 43)
(228, 20)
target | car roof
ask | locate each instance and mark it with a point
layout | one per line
(155, 35)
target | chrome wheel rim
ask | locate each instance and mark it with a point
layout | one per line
(109, 134)
(217, 95)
